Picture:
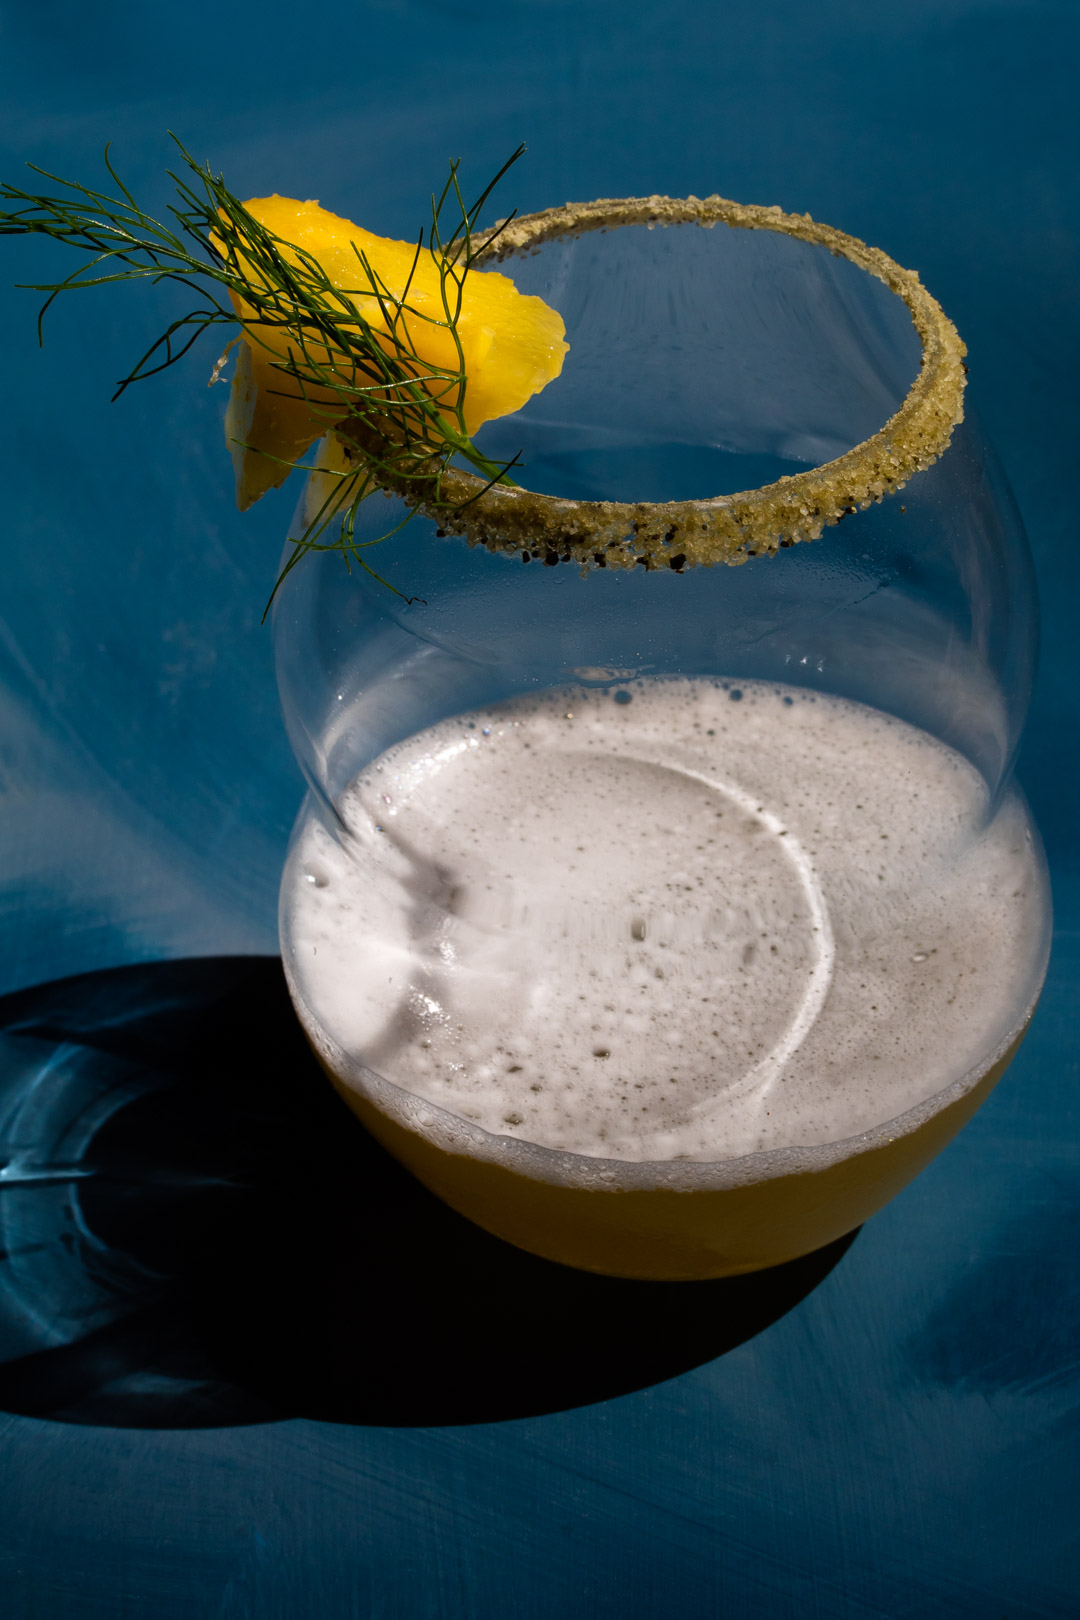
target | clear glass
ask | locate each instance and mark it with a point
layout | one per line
(702, 362)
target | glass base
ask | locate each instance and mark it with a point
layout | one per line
(665, 1234)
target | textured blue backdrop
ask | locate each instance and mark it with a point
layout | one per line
(905, 1441)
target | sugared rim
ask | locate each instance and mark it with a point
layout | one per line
(723, 528)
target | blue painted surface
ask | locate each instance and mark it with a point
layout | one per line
(904, 1441)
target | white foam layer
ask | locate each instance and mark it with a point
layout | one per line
(706, 921)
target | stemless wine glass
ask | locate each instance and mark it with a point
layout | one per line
(807, 756)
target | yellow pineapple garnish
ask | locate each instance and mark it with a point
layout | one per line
(513, 343)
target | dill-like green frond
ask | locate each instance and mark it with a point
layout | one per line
(405, 414)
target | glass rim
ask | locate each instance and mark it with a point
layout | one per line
(722, 528)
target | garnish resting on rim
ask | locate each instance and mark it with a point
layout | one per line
(403, 346)
(356, 366)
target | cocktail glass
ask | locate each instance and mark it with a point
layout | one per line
(755, 468)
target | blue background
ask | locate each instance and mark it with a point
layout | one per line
(904, 1442)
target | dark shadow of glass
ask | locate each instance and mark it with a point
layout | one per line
(194, 1232)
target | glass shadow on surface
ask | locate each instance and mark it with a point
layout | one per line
(194, 1233)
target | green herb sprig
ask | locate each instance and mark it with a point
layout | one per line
(405, 415)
